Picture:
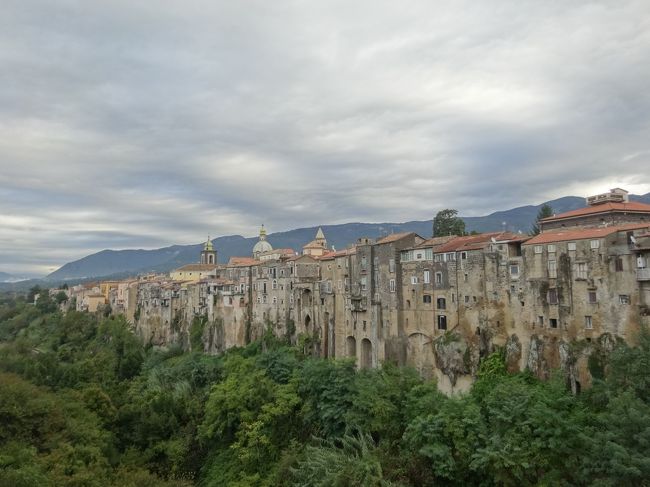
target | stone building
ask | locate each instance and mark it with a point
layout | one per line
(613, 208)
(439, 305)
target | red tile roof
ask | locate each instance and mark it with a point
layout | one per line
(242, 262)
(581, 234)
(632, 207)
(196, 267)
(394, 237)
(339, 253)
(434, 242)
(480, 241)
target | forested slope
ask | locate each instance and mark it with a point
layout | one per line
(84, 403)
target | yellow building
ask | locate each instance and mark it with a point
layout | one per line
(316, 247)
(196, 272)
(193, 272)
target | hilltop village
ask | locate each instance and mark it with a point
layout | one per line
(438, 304)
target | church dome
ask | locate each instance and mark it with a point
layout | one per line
(262, 245)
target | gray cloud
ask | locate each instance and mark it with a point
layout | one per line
(140, 125)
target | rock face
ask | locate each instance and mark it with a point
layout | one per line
(452, 355)
(513, 353)
(536, 362)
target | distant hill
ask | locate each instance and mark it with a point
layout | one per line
(4, 277)
(124, 262)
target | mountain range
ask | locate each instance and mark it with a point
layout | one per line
(4, 277)
(121, 263)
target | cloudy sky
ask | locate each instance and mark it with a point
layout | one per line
(138, 124)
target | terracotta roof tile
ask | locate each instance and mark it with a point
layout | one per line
(477, 242)
(434, 242)
(242, 262)
(581, 234)
(339, 253)
(394, 237)
(196, 267)
(631, 206)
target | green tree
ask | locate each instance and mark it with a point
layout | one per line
(447, 222)
(350, 461)
(33, 292)
(544, 212)
(60, 297)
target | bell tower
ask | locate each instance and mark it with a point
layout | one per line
(208, 254)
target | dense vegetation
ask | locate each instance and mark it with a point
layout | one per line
(83, 403)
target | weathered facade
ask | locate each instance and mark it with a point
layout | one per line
(439, 305)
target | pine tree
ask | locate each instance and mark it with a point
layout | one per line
(544, 212)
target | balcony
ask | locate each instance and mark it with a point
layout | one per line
(643, 274)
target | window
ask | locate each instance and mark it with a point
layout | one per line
(414, 279)
(581, 270)
(466, 299)
(618, 264)
(438, 257)
(593, 298)
(540, 321)
(426, 299)
(259, 300)
(463, 255)
(291, 298)
(538, 249)
(391, 265)
(624, 299)
(418, 256)
(442, 322)
(474, 297)
(466, 277)
(514, 270)
(550, 248)
(552, 322)
(328, 286)
(594, 244)
(363, 262)
(274, 284)
(589, 324)
(275, 300)
(364, 283)
(391, 285)
(441, 303)
(552, 269)
(438, 277)
(427, 277)
(571, 246)
(450, 256)
(552, 296)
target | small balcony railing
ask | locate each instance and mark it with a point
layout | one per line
(643, 274)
